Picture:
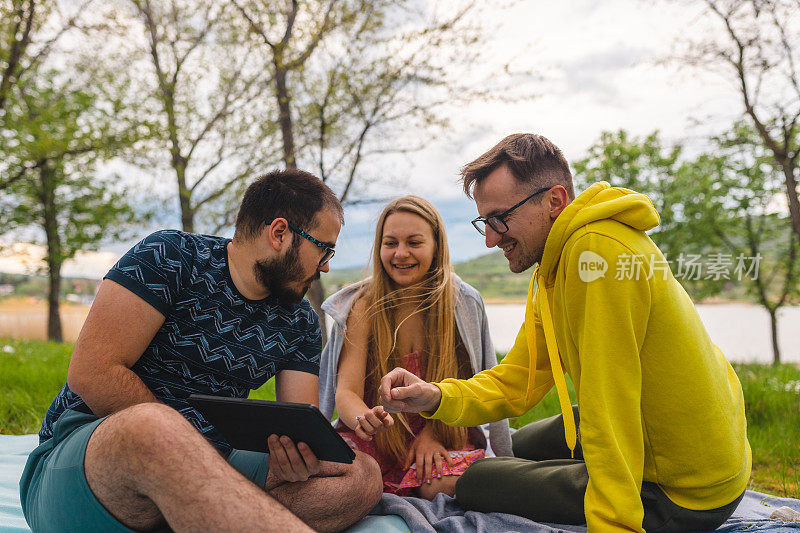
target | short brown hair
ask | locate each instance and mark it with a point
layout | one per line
(292, 194)
(530, 158)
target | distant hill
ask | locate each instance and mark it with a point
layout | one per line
(488, 273)
(336, 279)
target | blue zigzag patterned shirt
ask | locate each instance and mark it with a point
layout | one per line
(213, 340)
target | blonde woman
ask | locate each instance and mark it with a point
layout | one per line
(413, 312)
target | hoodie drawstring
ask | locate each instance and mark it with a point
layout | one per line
(555, 360)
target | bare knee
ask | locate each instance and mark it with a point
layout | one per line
(341, 495)
(363, 485)
(366, 469)
(361, 489)
(147, 430)
(121, 456)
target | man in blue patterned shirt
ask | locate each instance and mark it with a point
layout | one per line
(120, 447)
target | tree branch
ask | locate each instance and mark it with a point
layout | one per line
(315, 40)
(255, 27)
(18, 48)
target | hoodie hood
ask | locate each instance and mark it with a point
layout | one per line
(599, 202)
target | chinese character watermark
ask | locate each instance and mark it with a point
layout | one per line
(690, 267)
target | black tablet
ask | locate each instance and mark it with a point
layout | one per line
(246, 424)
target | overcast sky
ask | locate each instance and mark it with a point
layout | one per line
(598, 66)
(594, 66)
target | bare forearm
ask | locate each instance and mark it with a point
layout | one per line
(116, 388)
(349, 405)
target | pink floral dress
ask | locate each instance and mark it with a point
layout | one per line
(396, 479)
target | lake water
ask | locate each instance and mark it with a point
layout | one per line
(741, 331)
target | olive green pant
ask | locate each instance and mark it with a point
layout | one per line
(541, 482)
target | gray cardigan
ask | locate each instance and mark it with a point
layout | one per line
(472, 324)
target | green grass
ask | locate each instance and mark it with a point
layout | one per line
(265, 392)
(772, 404)
(32, 373)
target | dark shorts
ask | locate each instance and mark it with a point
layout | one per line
(53, 489)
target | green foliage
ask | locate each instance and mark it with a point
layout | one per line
(336, 279)
(647, 166)
(57, 133)
(21, 23)
(720, 206)
(644, 165)
(32, 373)
(730, 201)
(57, 130)
(757, 50)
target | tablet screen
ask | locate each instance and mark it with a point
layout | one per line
(246, 424)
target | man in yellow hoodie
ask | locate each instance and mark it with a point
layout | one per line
(663, 444)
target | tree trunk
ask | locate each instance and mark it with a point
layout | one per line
(54, 332)
(773, 323)
(184, 194)
(317, 292)
(179, 164)
(54, 258)
(791, 194)
(284, 114)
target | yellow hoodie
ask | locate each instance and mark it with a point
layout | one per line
(658, 401)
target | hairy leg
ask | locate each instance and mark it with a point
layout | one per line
(446, 484)
(147, 465)
(337, 497)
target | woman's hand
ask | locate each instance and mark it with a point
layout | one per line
(369, 422)
(429, 454)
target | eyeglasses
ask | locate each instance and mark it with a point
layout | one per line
(327, 250)
(498, 222)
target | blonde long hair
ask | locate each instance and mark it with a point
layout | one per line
(434, 297)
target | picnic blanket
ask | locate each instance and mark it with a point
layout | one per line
(443, 514)
(396, 514)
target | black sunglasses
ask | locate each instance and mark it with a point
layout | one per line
(498, 222)
(327, 250)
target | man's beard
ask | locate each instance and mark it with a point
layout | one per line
(275, 275)
(526, 261)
